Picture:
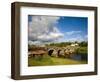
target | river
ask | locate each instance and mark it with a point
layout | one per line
(80, 57)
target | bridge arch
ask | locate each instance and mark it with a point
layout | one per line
(50, 51)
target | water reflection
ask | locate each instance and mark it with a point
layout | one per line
(80, 57)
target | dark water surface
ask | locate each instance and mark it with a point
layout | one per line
(80, 57)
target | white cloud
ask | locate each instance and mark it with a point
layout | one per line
(42, 28)
(73, 32)
(30, 42)
(75, 36)
(50, 37)
(86, 36)
(78, 38)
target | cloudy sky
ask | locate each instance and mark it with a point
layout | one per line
(46, 29)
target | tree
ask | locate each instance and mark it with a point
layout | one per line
(83, 44)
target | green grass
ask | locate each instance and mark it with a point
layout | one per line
(46, 61)
(82, 50)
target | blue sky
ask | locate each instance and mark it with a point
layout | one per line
(57, 28)
(73, 27)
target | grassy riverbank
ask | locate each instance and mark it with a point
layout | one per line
(46, 61)
(82, 50)
(80, 53)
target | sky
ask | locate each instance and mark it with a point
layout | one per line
(47, 29)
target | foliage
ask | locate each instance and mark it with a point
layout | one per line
(83, 44)
(82, 50)
(62, 44)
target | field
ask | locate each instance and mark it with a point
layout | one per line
(58, 54)
(44, 61)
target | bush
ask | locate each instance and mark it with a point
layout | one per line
(82, 50)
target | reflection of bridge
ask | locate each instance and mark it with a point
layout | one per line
(53, 51)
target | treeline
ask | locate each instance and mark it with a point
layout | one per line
(34, 48)
(63, 44)
(82, 50)
(83, 44)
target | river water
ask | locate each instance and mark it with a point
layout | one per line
(80, 57)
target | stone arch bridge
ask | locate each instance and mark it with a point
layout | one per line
(53, 51)
(61, 51)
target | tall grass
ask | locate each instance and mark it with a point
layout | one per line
(47, 60)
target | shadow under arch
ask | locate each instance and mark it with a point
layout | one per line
(50, 52)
